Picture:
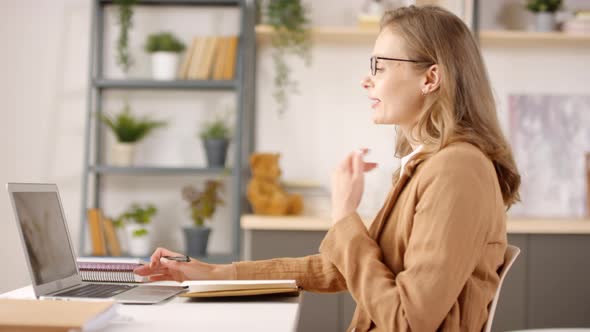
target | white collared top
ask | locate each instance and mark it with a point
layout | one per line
(407, 158)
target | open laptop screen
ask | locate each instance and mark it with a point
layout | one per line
(45, 235)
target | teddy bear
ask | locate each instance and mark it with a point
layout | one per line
(264, 191)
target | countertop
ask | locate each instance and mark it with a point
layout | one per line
(514, 226)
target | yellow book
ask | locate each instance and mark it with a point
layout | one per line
(183, 71)
(96, 232)
(230, 62)
(193, 69)
(54, 316)
(222, 288)
(112, 241)
(207, 59)
(220, 58)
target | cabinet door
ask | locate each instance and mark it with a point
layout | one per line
(319, 312)
(511, 310)
(559, 287)
(347, 306)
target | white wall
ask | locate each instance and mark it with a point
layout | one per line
(43, 89)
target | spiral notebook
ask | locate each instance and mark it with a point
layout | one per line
(110, 269)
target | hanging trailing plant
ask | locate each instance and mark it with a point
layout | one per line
(125, 20)
(291, 37)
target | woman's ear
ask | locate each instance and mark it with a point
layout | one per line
(432, 78)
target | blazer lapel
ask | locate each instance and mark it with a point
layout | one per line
(377, 225)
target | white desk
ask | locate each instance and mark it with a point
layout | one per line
(182, 314)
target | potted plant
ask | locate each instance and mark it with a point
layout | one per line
(125, 20)
(164, 48)
(544, 11)
(137, 221)
(128, 130)
(215, 136)
(202, 205)
(288, 19)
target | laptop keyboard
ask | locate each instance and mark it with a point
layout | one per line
(96, 290)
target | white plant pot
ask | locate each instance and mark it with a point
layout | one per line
(140, 246)
(122, 154)
(544, 22)
(122, 236)
(164, 65)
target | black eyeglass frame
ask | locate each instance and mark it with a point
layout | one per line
(373, 62)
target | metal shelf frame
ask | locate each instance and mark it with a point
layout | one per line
(243, 86)
(169, 85)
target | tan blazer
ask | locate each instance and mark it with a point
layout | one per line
(429, 259)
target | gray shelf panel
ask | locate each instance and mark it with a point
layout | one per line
(211, 3)
(106, 169)
(170, 85)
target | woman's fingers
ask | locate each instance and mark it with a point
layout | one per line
(369, 166)
(357, 163)
(155, 259)
(161, 277)
(146, 270)
(347, 163)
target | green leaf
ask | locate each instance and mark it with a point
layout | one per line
(537, 6)
(140, 232)
(291, 37)
(203, 203)
(217, 129)
(138, 214)
(125, 20)
(163, 42)
(128, 128)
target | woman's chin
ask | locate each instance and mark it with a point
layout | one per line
(378, 118)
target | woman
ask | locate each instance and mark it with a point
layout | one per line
(429, 260)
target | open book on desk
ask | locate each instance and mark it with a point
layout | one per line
(110, 269)
(223, 288)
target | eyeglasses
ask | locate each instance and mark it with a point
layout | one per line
(375, 58)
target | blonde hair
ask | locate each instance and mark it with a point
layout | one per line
(462, 109)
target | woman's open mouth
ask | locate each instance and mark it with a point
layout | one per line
(375, 102)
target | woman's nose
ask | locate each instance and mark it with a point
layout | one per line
(366, 82)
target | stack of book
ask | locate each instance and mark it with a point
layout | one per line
(102, 234)
(55, 316)
(210, 57)
(580, 24)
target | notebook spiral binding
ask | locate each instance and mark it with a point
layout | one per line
(108, 272)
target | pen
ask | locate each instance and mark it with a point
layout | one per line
(178, 258)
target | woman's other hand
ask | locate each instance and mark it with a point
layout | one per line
(348, 181)
(161, 268)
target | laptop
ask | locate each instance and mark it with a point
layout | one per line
(50, 255)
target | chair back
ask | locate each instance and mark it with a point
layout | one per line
(509, 257)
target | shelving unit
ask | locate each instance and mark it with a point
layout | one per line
(95, 168)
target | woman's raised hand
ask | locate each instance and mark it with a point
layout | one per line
(161, 268)
(348, 181)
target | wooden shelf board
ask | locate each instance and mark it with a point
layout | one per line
(528, 36)
(327, 33)
(158, 170)
(353, 33)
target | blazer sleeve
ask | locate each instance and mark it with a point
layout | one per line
(448, 236)
(312, 273)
